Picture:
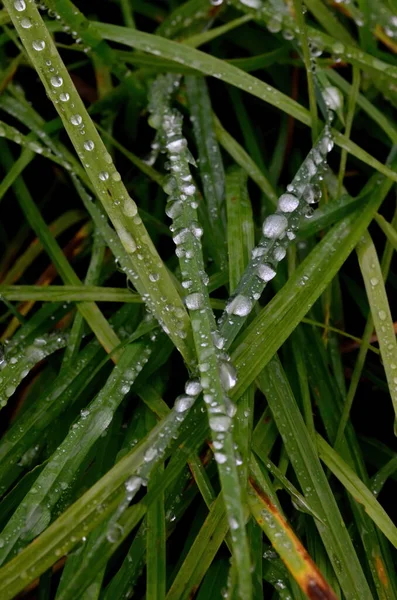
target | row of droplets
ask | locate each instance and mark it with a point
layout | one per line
(182, 205)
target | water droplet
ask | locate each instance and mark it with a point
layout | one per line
(89, 145)
(103, 175)
(150, 454)
(177, 145)
(252, 3)
(174, 208)
(228, 375)
(279, 253)
(154, 277)
(374, 281)
(274, 226)
(19, 5)
(382, 315)
(38, 45)
(116, 176)
(333, 97)
(114, 533)
(183, 403)
(26, 23)
(189, 190)
(220, 423)
(311, 167)
(240, 306)
(288, 203)
(193, 387)
(56, 81)
(64, 97)
(133, 483)
(266, 272)
(127, 240)
(338, 48)
(220, 458)
(194, 301)
(76, 120)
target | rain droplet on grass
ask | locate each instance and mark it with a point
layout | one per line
(240, 306)
(220, 423)
(288, 203)
(266, 272)
(89, 145)
(183, 403)
(56, 81)
(64, 97)
(274, 226)
(76, 120)
(19, 5)
(228, 375)
(103, 175)
(38, 45)
(129, 208)
(193, 387)
(194, 301)
(26, 23)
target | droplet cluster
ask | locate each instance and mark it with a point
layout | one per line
(217, 374)
(278, 231)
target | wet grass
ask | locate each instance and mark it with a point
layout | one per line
(199, 363)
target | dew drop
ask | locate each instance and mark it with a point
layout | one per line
(374, 281)
(133, 483)
(288, 203)
(129, 208)
(89, 145)
(194, 301)
(38, 45)
(274, 226)
(228, 375)
(382, 315)
(333, 98)
(220, 458)
(150, 454)
(103, 175)
(279, 253)
(116, 176)
(240, 306)
(26, 23)
(176, 145)
(19, 5)
(193, 387)
(64, 97)
(76, 120)
(266, 272)
(183, 403)
(220, 423)
(56, 81)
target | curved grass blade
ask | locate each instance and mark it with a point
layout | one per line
(278, 231)
(243, 159)
(357, 489)
(210, 164)
(91, 312)
(104, 177)
(315, 487)
(380, 311)
(15, 366)
(266, 511)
